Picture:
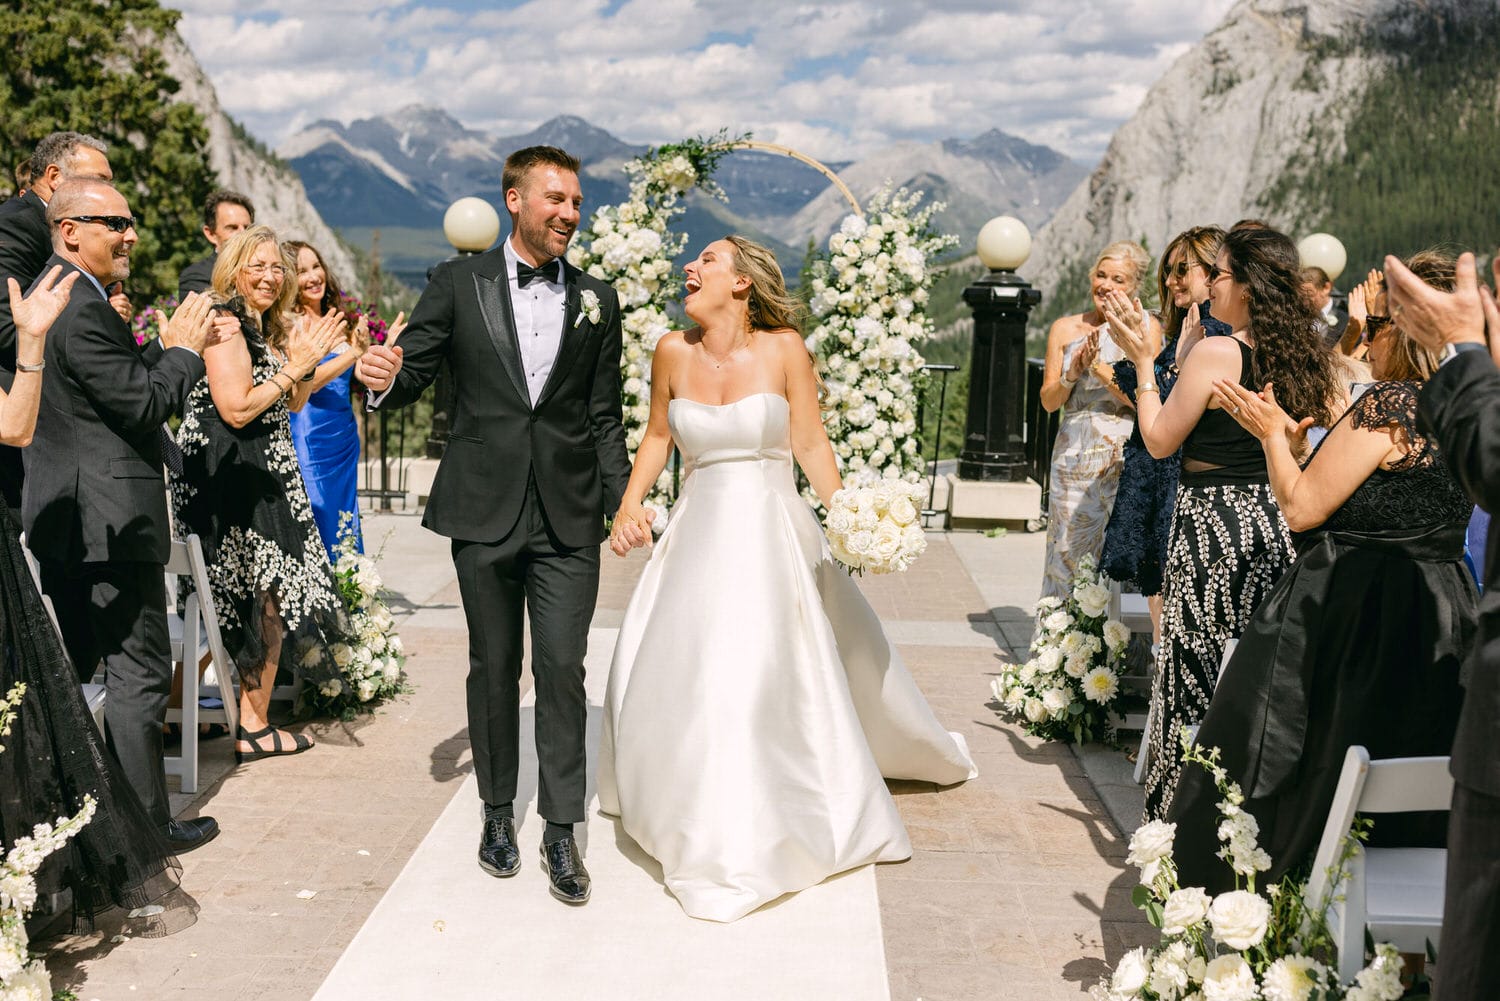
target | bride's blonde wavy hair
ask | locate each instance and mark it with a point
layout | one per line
(771, 306)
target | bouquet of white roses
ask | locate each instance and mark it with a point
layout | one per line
(877, 527)
(1240, 945)
(22, 977)
(371, 659)
(1071, 685)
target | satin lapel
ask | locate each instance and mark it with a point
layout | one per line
(494, 305)
(574, 333)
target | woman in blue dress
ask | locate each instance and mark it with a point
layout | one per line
(324, 431)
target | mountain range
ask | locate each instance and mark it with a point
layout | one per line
(399, 172)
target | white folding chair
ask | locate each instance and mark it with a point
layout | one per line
(194, 629)
(1396, 892)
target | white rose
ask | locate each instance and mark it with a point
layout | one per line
(1049, 604)
(903, 512)
(887, 541)
(1151, 841)
(1169, 975)
(1077, 664)
(1239, 918)
(342, 655)
(1292, 978)
(1116, 635)
(330, 689)
(1229, 978)
(1035, 711)
(1131, 973)
(1184, 909)
(1049, 660)
(1057, 621)
(1093, 599)
(366, 690)
(1056, 701)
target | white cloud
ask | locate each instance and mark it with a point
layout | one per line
(837, 79)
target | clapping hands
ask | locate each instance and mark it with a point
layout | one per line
(631, 528)
(1435, 318)
(313, 339)
(1127, 325)
(1260, 414)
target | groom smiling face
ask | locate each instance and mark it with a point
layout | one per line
(544, 212)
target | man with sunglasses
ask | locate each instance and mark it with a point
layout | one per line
(94, 505)
(25, 246)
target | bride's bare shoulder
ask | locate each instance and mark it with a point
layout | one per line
(675, 341)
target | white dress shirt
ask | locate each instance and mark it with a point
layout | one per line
(538, 310)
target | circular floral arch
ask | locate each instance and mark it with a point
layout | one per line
(867, 299)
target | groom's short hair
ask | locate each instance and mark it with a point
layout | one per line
(519, 163)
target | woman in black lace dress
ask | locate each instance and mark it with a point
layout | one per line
(1361, 641)
(54, 755)
(241, 490)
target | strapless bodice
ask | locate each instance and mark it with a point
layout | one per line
(755, 428)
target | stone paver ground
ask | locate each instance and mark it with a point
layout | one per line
(1017, 889)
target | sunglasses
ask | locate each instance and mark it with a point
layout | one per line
(1181, 269)
(1373, 326)
(113, 223)
(1215, 273)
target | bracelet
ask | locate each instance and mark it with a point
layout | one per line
(21, 366)
(309, 376)
(1149, 387)
(1066, 382)
(273, 382)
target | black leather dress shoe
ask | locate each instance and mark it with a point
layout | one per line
(185, 835)
(570, 880)
(498, 854)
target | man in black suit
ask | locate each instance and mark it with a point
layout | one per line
(225, 213)
(94, 505)
(25, 246)
(1333, 319)
(535, 461)
(1461, 406)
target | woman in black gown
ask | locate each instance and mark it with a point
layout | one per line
(1361, 641)
(54, 755)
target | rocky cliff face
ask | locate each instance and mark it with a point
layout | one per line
(280, 201)
(1221, 134)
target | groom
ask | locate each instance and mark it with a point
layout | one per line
(535, 461)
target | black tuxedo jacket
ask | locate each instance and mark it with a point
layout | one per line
(572, 442)
(25, 246)
(94, 489)
(196, 277)
(1460, 405)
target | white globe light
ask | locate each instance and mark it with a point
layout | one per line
(1321, 250)
(471, 225)
(1004, 243)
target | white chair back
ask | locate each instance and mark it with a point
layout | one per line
(194, 629)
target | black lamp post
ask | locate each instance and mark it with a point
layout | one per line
(472, 225)
(995, 436)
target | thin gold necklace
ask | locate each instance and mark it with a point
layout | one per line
(719, 360)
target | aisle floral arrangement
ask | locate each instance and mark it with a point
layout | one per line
(631, 246)
(372, 662)
(1070, 688)
(146, 326)
(868, 296)
(23, 978)
(1241, 945)
(877, 528)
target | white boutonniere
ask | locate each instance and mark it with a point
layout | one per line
(590, 308)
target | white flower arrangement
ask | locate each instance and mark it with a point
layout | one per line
(371, 660)
(631, 246)
(869, 295)
(1241, 945)
(1070, 688)
(877, 528)
(21, 976)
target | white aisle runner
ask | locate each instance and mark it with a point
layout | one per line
(446, 930)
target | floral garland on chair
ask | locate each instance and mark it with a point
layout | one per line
(631, 246)
(21, 976)
(869, 293)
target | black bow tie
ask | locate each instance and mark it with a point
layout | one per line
(525, 272)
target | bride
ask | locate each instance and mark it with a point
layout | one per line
(754, 703)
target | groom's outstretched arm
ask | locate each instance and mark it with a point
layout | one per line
(424, 342)
(605, 411)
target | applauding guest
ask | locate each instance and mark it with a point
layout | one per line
(1460, 405)
(1086, 458)
(1360, 642)
(1229, 544)
(93, 506)
(241, 491)
(324, 430)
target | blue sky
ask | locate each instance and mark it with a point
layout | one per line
(836, 78)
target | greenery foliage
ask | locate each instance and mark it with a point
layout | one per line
(92, 67)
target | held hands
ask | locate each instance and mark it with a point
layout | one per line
(34, 315)
(190, 325)
(313, 339)
(1260, 414)
(631, 528)
(1127, 325)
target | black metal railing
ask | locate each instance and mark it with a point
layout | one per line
(382, 470)
(1041, 430)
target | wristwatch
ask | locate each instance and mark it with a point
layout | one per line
(1453, 349)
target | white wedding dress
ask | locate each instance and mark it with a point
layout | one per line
(754, 701)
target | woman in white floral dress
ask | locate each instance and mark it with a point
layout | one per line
(240, 489)
(1086, 460)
